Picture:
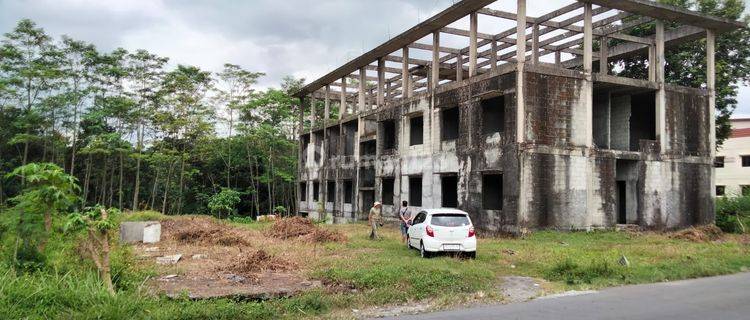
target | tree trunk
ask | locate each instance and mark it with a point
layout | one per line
(152, 197)
(166, 188)
(182, 181)
(137, 186)
(75, 142)
(119, 189)
(86, 180)
(111, 183)
(270, 180)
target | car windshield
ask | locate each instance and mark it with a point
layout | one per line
(450, 220)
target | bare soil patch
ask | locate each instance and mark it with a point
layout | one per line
(221, 260)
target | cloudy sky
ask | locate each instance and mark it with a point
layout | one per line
(279, 37)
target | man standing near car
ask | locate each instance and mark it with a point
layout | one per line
(374, 219)
(405, 215)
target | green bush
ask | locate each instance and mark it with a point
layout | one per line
(224, 203)
(572, 273)
(147, 215)
(241, 219)
(733, 214)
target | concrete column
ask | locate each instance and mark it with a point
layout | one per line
(651, 63)
(588, 98)
(558, 62)
(493, 57)
(473, 25)
(535, 44)
(435, 60)
(381, 82)
(342, 107)
(520, 59)
(603, 55)
(405, 77)
(459, 67)
(313, 111)
(301, 115)
(362, 86)
(711, 86)
(588, 91)
(522, 213)
(327, 107)
(661, 96)
(388, 90)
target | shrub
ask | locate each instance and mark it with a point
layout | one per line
(224, 202)
(147, 215)
(241, 219)
(733, 214)
(572, 273)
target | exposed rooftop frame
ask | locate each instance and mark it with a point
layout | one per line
(693, 26)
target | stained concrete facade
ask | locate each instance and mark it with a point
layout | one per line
(523, 145)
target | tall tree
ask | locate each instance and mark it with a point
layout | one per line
(233, 90)
(686, 64)
(146, 72)
(31, 65)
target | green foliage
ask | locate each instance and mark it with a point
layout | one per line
(572, 273)
(224, 203)
(146, 215)
(241, 219)
(46, 190)
(139, 133)
(733, 214)
(47, 186)
(686, 64)
(92, 218)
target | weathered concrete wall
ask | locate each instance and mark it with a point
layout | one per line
(564, 183)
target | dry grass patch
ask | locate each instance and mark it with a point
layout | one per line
(204, 230)
(299, 227)
(705, 233)
(258, 261)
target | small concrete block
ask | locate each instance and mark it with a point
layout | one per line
(135, 231)
(172, 259)
(152, 232)
(152, 249)
(131, 231)
(199, 256)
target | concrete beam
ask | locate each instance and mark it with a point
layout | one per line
(671, 13)
(445, 17)
(673, 37)
(405, 76)
(473, 33)
(435, 60)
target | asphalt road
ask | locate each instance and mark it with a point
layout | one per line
(725, 297)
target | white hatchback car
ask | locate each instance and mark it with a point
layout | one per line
(442, 230)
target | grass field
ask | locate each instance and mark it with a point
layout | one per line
(361, 273)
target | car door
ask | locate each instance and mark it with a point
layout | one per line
(416, 230)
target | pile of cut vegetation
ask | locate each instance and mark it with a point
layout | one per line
(705, 233)
(299, 227)
(249, 263)
(203, 230)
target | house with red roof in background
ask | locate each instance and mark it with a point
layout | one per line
(733, 161)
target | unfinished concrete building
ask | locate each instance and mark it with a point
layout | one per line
(525, 126)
